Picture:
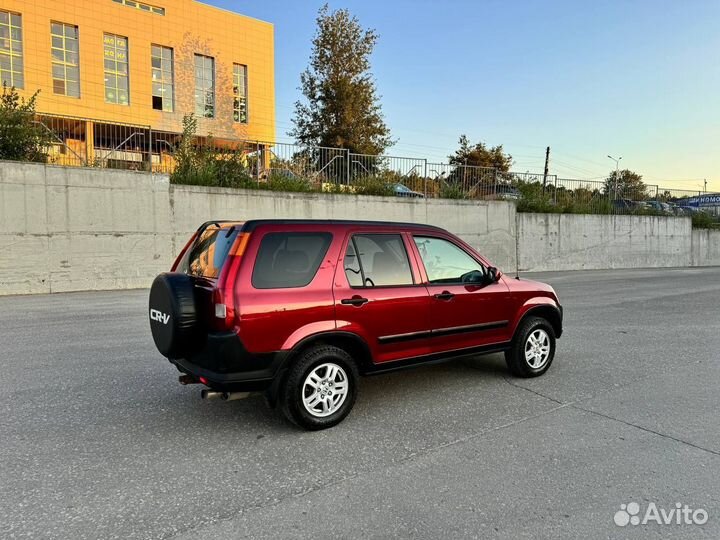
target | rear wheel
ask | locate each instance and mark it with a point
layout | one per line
(320, 388)
(533, 348)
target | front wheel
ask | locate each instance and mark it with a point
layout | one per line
(320, 388)
(533, 349)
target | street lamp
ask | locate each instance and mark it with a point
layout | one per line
(617, 172)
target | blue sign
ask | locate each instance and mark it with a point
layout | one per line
(701, 200)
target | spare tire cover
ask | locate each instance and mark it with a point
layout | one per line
(173, 315)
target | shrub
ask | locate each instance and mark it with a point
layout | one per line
(207, 165)
(21, 138)
(703, 220)
(374, 185)
(452, 191)
(283, 181)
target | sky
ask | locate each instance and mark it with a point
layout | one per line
(638, 79)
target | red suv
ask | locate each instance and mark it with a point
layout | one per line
(299, 309)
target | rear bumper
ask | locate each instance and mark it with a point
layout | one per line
(227, 366)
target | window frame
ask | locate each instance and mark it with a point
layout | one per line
(13, 56)
(116, 73)
(64, 64)
(237, 95)
(142, 6)
(162, 81)
(482, 263)
(213, 82)
(351, 241)
(321, 255)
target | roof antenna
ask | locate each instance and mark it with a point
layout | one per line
(517, 247)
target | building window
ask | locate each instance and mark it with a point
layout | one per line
(11, 58)
(141, 6)
(240, 93)
(162, 78)
(65, 59)
(204, 86)
(117, 88)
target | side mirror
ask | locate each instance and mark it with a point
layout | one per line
(474, 277)
(493, 274)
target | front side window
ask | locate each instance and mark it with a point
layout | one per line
(11, 56)
(65, 48)
(204, 86)
(162, 78)
(289, 260)
(377, 260)
(117, 87)
(240, 93)
(445, 262)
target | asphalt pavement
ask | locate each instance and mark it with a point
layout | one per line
(98, 440)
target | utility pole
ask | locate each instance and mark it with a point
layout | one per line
(705, 181)
(617, 173)
(547, 165)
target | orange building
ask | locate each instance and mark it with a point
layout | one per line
(121, 74)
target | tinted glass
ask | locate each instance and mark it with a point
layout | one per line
(377, 260)
(444, 261)
(352, 267)
(287, 260)
(207, 255)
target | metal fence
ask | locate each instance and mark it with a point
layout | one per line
(93, 143)
(607, 197)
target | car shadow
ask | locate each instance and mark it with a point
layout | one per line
(182, 406)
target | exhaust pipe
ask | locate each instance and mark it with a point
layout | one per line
(232, 396)
(225, 396)
(210, 394)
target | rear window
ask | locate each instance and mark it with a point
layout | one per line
(288, 260)
(206, 256)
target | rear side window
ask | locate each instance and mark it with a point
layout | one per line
(289, 260)
(377, 260)
(206, 256)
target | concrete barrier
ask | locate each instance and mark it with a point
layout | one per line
(585, 241)
(488, 226)
(705, 247)
(71, 229)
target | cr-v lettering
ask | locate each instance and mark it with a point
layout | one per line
(155, 315)
(300, 309)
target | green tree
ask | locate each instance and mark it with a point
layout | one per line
(625, 184)
(341, 107)
(480, 155)
(21, 137)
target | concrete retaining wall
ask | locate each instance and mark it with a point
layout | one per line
(70, 229)
(705, 248)
(584, 242)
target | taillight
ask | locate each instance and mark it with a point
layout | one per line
(224, 295)
(222, 310)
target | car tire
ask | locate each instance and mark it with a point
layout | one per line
(320, 388)
(533, 348)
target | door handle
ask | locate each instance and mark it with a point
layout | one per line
(445, 295)
(354, 301)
